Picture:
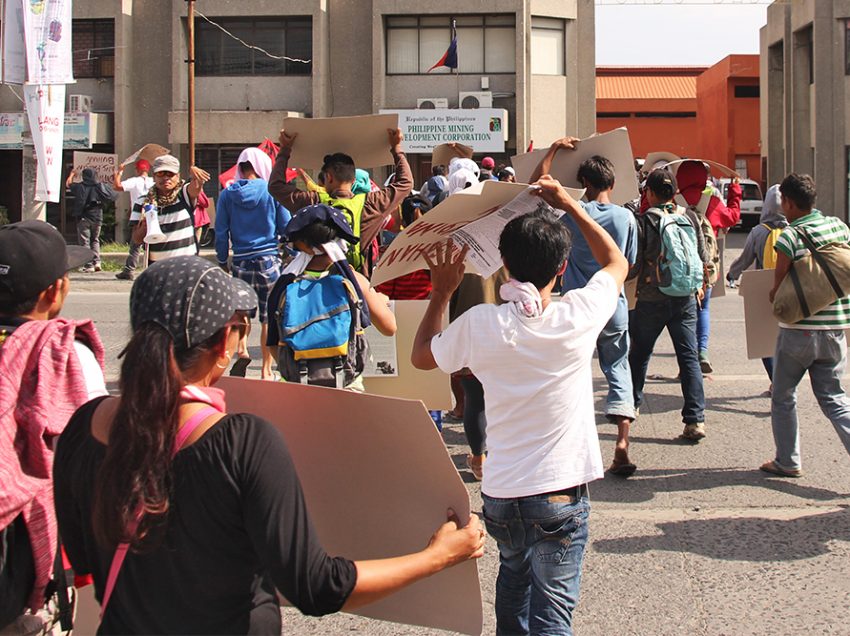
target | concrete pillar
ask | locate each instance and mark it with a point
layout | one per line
(30, 208)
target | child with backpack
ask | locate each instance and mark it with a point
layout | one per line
(759, 248)
(671, 278)
(319, 307)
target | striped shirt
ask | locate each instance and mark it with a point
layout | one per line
(823, 230)
(175, 221)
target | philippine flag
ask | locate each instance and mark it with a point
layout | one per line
(449, 58)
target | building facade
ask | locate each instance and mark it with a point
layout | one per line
(533, 58)
(805, 81)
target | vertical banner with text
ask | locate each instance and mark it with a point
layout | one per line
(46, 110)
(14, 50)
(47, 35)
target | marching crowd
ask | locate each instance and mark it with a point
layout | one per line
(159, 489)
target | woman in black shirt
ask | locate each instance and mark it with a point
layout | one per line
(215, 522)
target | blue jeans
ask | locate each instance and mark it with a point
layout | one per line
(541, 541)
(612, 347)
(704, 321)
(824, 355)
(646, 323)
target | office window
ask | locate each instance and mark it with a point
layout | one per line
(216, 159)
(548, 38)
(485, 44)
(218, 54)
(93, 45)
(747, 91)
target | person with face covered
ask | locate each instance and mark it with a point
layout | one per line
(174, 200)
(90, 196)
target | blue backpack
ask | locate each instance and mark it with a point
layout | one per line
(679, 268)
(320, 327)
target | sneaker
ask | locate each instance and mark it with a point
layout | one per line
(694, 432)
(125, 274)
(98, 268)
(86, 269)
(704, 363)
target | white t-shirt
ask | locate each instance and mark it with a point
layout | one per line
(137, 187)
(538, 387)
(95, 384)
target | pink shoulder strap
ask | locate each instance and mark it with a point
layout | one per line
(121, 551)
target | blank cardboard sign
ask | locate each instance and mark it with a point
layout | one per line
(444, 153)
(377, 481)
(363, 138)
(613, 145)
(432, 387)
(762, 327)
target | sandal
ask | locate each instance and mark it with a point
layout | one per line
(624, 469)
(775, 469)
(477, 470)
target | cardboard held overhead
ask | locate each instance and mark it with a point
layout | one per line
(444, 153)
(148, 152)
(432, 387)
(762, 327)
(614, 145)
(367, 500)
(659, 158)
(726, 171)
(105, 165)
(486, 198)
(364, 138)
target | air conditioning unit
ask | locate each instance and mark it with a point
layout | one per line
(476, 99)
(80, 104)
(432, 102)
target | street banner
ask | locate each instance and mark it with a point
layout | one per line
(455, 218)
(104, 165)
(45, 106)
(431, 387)
(614, 146)
(366, 499)
(14, 51)
(47, 37)
(482, 129)
(363, 138)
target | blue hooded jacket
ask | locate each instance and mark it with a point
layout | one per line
(250, 219)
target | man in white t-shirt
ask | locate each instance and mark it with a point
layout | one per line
(137, 187)
(533, 357)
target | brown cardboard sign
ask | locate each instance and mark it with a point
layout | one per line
(444, 153)
(614, 146)
(367, 500)
(432, 387)
(719, 289)
(762, 327)
(364, 138)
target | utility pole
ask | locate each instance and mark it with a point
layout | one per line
(190, 19)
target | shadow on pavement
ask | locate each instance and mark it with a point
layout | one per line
(646, 483)
(657, 404)
(754, 539)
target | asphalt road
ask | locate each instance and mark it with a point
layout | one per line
(698, 541)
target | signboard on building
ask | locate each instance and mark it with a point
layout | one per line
(482, 129)
(12, 127)
(80, 132)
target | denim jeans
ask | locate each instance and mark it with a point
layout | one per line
(646, 323)
(612, 347)
(88, 235)
(704, 321)
(542, 539)
(136, 251)
(824, 355)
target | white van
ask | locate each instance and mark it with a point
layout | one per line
(751, 202)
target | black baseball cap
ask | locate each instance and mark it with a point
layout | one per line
(189, 297)
(33, 255)
(321, 213)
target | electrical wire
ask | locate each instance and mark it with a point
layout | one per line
(251, 46)
(14, 92)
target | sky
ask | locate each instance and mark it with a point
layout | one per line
(672, 34)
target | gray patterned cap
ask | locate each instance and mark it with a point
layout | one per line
(189, 297)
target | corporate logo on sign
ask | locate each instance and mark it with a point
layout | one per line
(483, 129)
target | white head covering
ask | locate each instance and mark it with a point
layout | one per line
(261, 162)
(460, 180)
(459, 163)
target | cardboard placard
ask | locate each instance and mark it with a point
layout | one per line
(762, 327)
(432, 387)
(719, 289)
(148, 152)
(444, 153)
(405, 253)
(104, 165)
(614, 146)
(364, 138)
(366, 499)
(726, 171)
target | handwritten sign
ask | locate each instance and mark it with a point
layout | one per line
(103, 164)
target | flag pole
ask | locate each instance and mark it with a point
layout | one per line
(457, 66)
